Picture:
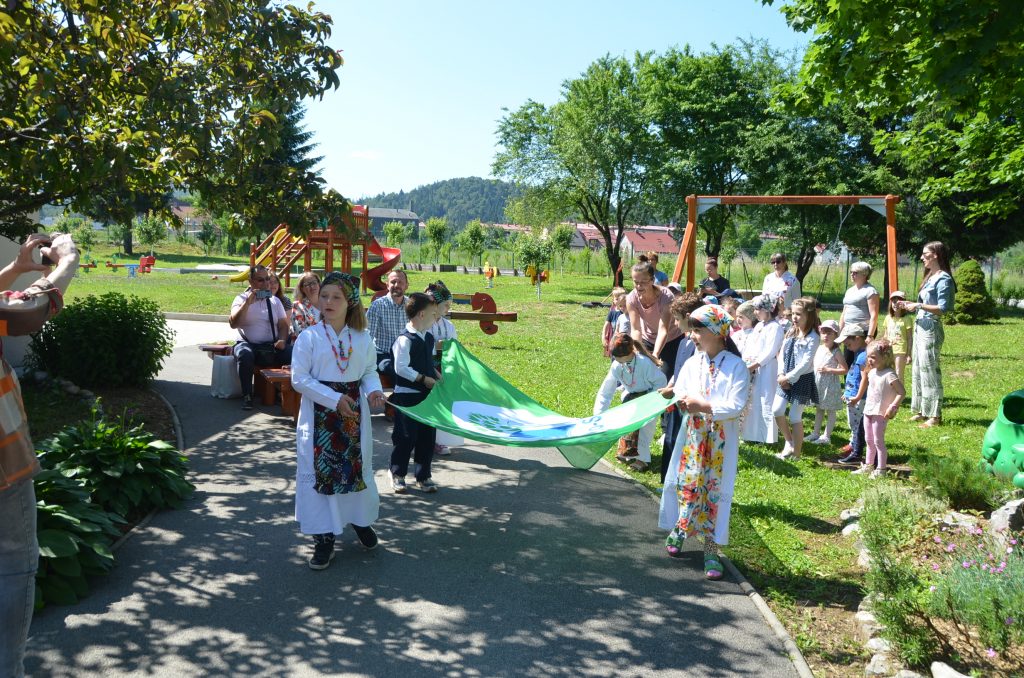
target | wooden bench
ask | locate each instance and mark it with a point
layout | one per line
(279, 379)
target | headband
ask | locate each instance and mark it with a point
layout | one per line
(714, 318)
(439, 292)
(348, 283)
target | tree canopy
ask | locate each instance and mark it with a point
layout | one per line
(126, 97)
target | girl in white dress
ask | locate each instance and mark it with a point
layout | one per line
(796, 389)
(334, 368)
(711, 391)
(761, 357)
(638, 373)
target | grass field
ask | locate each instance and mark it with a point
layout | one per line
(785, 533)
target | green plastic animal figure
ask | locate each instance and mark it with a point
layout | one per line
(1002, 449)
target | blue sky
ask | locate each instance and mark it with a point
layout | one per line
(424, 83)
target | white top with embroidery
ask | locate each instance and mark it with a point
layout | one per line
(636, 376)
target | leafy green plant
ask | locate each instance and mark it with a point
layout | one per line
(74, 538)
(109, 340)
(979, 585)
(959, 481)
(972, 304)
(890, 521)
(125, 469)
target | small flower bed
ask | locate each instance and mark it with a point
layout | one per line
(951, 593)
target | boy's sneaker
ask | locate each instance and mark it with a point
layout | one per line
(427, 485)
(862, 469)
(851, 459)
(442, 450)
(367, 537)
(877, 473)
(247, 402)
(398, 484)
(323, 553)
(823, 440)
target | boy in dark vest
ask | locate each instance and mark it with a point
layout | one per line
(415, 375)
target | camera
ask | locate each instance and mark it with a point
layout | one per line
(263, 294)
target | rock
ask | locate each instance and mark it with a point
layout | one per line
(907, 673)
(41, 375)
(72, 389)
(869, 626)
(954, 519)
(879, 646)
(940, 670)
(864, 559)
(87, 394)
(1010, 516)
(881, 665)
(849, 514)
(851, 529)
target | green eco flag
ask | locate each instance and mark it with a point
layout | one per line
(474, 402)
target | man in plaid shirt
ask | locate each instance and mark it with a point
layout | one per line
(387, 317)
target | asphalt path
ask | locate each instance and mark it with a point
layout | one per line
(519, 566)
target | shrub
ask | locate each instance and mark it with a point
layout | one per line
(124, 469)
(972, 303)
(979, 585)
(891, 519)
(74, 538)
(109, 340)
(959, 481)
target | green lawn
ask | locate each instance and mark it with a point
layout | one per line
(785, 523)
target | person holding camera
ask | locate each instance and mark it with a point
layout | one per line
(22, 313)
(263, 329)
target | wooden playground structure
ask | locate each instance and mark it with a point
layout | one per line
(698, 204)
(281, 250)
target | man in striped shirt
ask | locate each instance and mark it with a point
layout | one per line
(386, 317)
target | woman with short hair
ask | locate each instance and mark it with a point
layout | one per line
(780, 282)
(861, 301)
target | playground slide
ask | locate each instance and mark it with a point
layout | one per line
(373, 278)
(282, 235)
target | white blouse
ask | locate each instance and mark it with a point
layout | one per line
(804, 349)
(636, 376)
(786, 285)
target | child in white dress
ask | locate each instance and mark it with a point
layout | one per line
(638, 373)
(761, 357)
(796, 388)
(711, 391)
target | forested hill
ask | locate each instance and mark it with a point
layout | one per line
(460, 200)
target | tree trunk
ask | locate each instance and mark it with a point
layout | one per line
(127, 245)
(615, 259)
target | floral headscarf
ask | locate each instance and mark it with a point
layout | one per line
(714, 318)
(348, 283)
(764, 302)
(439, 292)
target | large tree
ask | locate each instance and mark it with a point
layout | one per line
(590, 152)
(945, 82)
(124, 96)
(704, 107)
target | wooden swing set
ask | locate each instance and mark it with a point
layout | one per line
(698, 204)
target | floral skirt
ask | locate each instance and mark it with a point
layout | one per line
(337, 452)
(698, 486)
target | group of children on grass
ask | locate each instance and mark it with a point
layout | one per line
(747, 371)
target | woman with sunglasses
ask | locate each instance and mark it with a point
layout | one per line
(780, 282)
(861, 301)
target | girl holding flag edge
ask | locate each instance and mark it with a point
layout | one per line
(711, 392)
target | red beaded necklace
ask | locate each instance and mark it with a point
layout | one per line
(342, 361)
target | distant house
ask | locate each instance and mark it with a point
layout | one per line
(635, 240)
(382, 215)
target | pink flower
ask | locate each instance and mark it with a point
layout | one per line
(1013, 541)
(1009, 621)
(966, 564)
(935, 567)
(991, 653)
(932, 589)
(950, 547)
(938, 539)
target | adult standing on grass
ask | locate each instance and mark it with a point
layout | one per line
(22, 313)
(334, 368)
(780, 282)
(387, 319)
(649, 307)
(306, 308)
(934, 298)
(861, 301)
(263, 330)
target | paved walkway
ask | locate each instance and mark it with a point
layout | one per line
(519, 566)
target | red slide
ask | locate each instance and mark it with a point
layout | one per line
(373, 278)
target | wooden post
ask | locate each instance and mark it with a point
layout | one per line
(890, 241)
(686, 253)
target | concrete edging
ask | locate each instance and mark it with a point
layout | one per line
(773, 622)
(180, 442)
(207, 317)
